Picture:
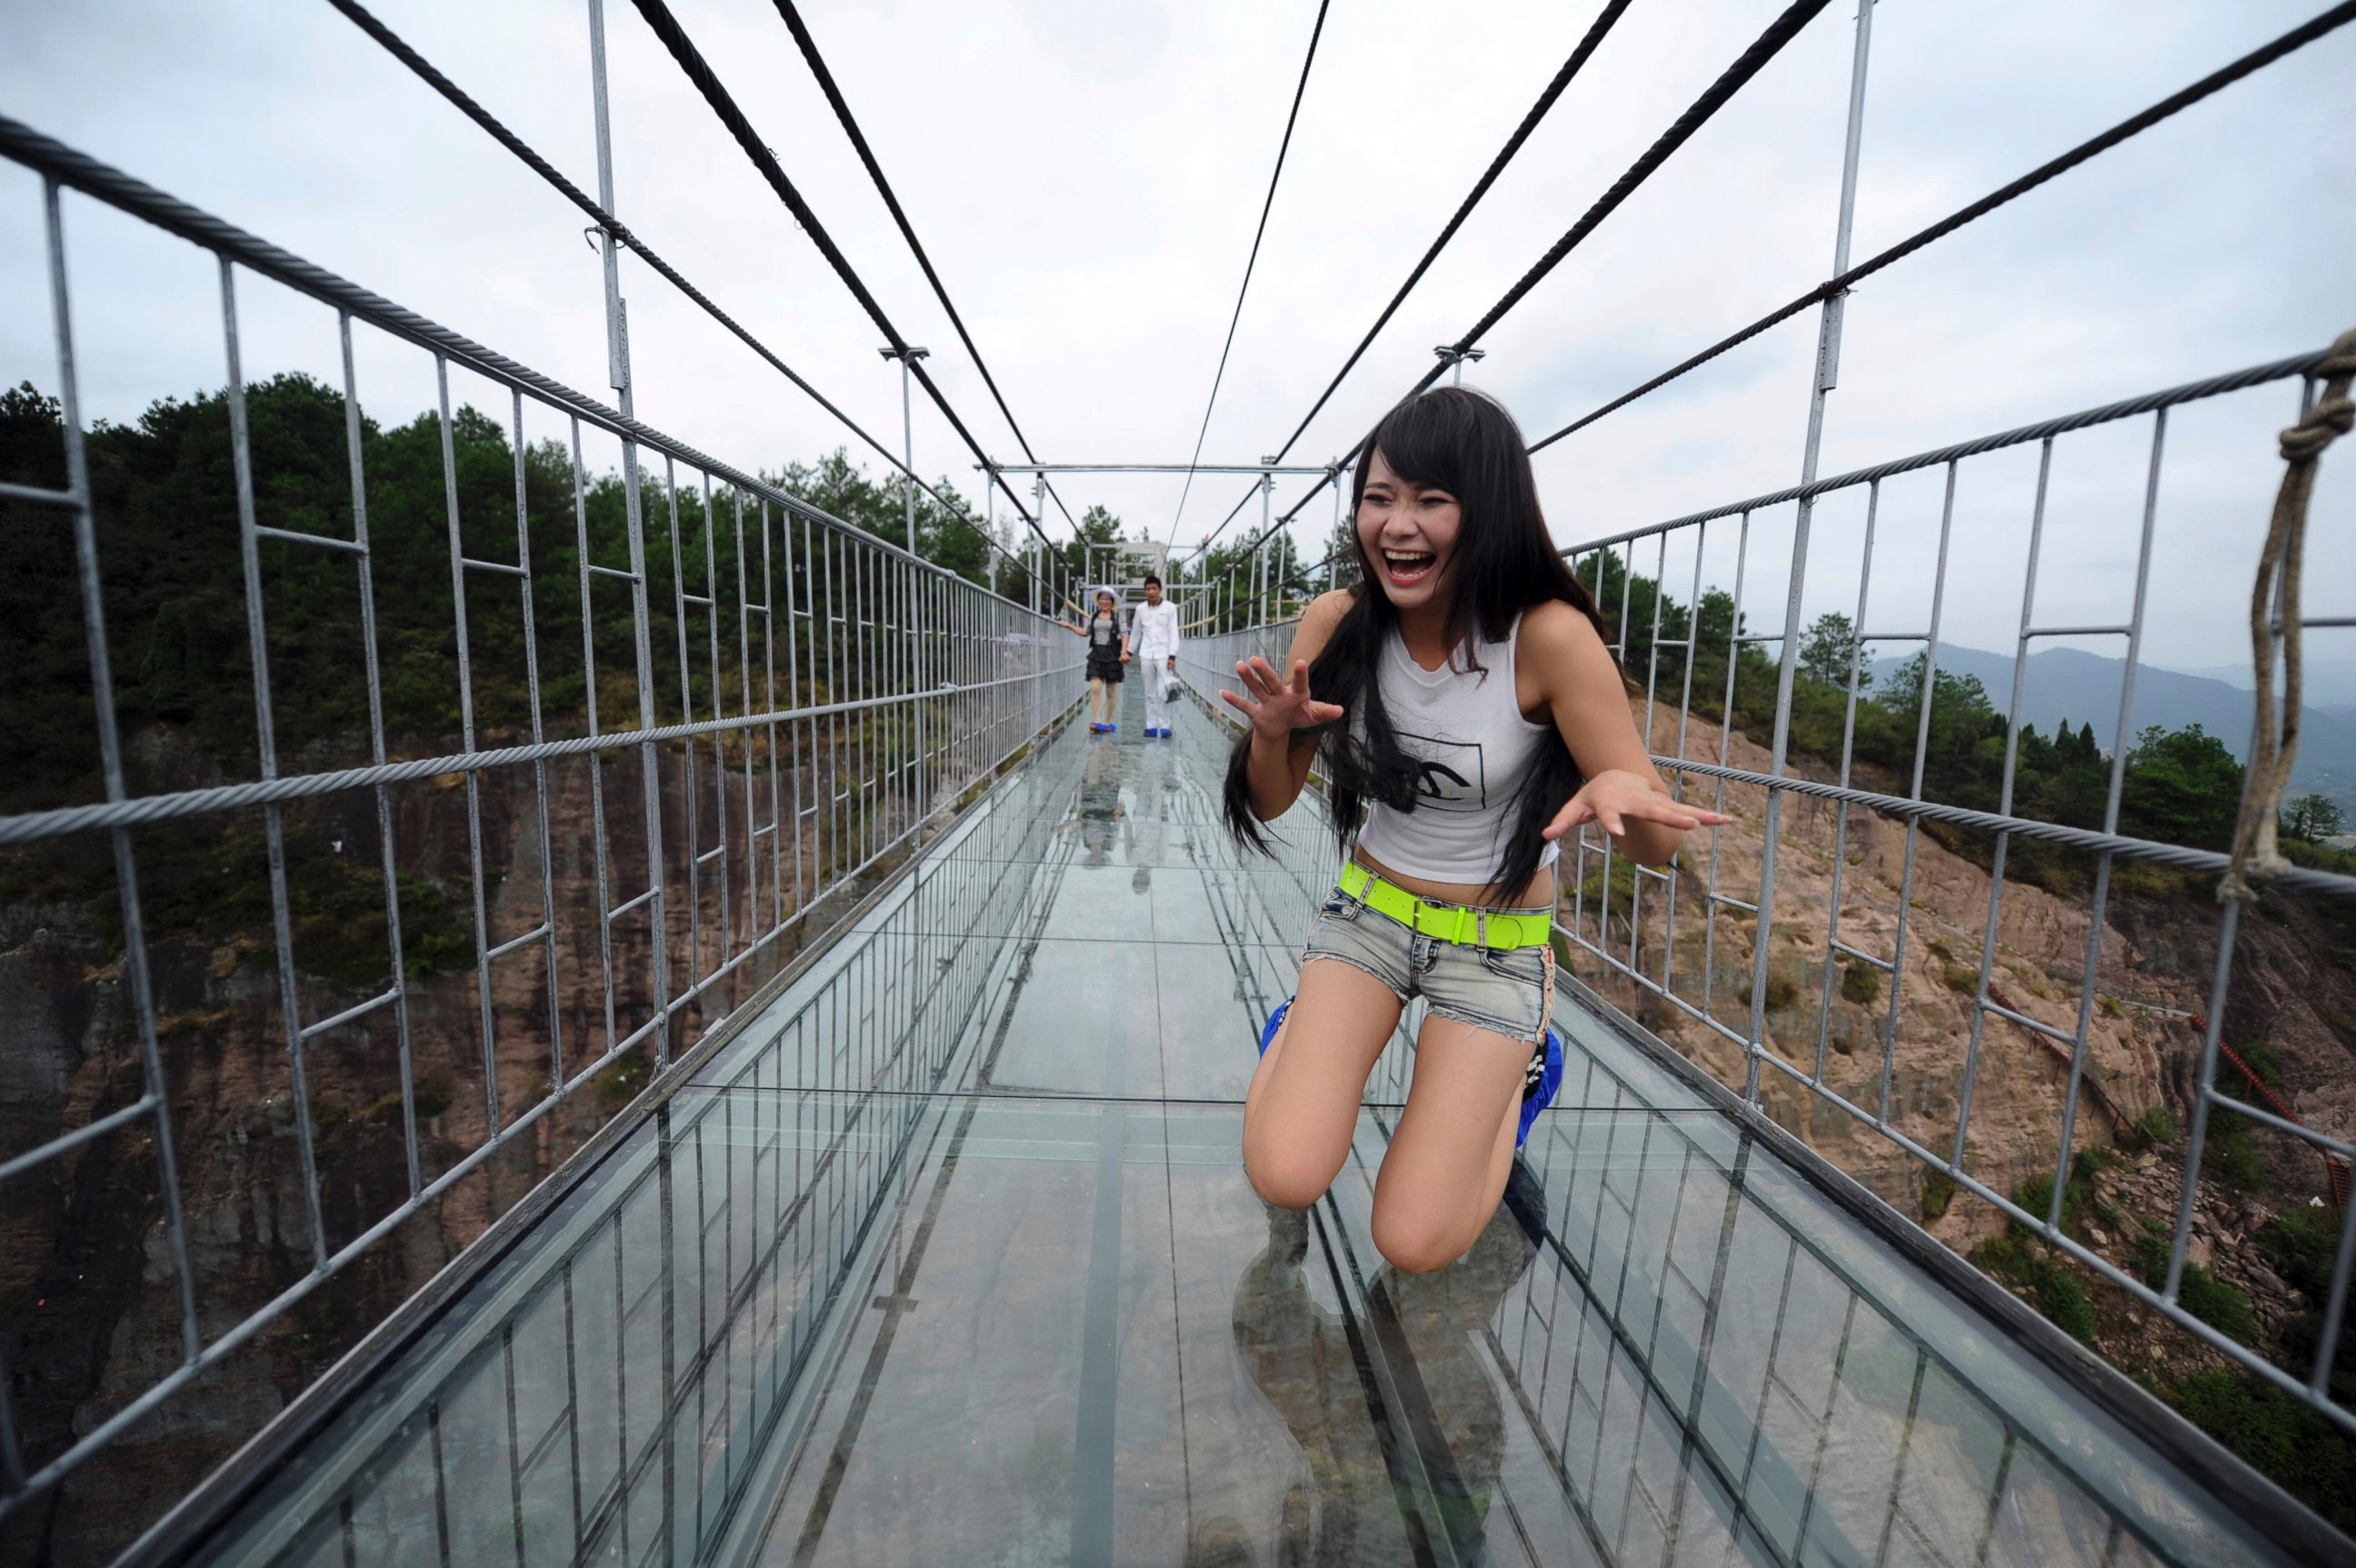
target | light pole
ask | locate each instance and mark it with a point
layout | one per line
(908, 358)
(1454, 358)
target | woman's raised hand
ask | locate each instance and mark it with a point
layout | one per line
(1616, 797)
(1275, 705)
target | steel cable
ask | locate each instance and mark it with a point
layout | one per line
(690, 62)
(817, 63)
(2298, 38)
(457, 97)
(1747, 65)
(1266, 206)
(2256, 59)
(1587, 45)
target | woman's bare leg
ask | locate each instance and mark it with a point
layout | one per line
(1303, 1108)
(1096, 699)
(1453, 1149)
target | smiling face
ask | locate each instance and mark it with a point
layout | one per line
(1104, 604)
(1409, 532)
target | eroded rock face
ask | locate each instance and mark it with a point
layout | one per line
(89, 1313)
(1841, 871)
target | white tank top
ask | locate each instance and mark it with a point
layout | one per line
(1464, 729)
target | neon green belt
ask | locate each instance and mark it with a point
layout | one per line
(1457, 923)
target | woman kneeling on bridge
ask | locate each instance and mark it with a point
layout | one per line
(1466, 713)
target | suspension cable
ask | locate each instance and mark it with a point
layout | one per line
(1267, 205)
(2134, 124)
(1749, 64)
(683, 51)
(1587, 45)
(395, 44)
(2298, 38)
(817, 63)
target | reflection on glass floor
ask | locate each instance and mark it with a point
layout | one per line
(947, 1258)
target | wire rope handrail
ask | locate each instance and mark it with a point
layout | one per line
(920, 684)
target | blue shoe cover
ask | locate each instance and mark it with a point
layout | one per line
(1275, 1022)
(1550, 1084)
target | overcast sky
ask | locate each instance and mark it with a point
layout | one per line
(1086, 174)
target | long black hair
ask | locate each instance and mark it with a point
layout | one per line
(1504, 562)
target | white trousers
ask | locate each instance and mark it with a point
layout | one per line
(1157, 711)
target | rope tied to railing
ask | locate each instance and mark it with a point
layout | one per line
(2275, 599)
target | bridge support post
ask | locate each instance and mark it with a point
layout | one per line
(1825, 375)
(617, 351)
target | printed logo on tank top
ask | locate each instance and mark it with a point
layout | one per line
(1450, 775)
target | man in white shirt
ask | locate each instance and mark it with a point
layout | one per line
(1153, 636)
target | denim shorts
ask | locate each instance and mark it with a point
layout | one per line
(1505, 991)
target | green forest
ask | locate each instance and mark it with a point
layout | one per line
(166, 513)
(173, 585)
(2181, 785)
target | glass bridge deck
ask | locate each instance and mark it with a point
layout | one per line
(947, 1257)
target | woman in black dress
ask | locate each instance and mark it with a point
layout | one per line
(1107, 651)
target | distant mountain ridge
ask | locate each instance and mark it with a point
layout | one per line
(2069, 683)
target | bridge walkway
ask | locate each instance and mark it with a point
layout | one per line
(947, 1257)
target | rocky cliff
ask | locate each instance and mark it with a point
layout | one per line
(89, 1312)
(2291, 1011)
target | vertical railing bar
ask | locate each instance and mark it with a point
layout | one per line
(2228, 928)
(1829, 326)
(1725, 750)
(514, 1442)
(467, 728)
(91, 587)
(617, 343)
(573, 1405)
(258, 638)
(792, 694)
(1925, 698)
(1652, 684)
(1889, 1510)
(719, 737)
(2090, 978)
(354, 443)
(745, 691)
(692, 811)
(1996, 1499)
(1689, 658)
(540, 765)
(777, 826)
(650, 754)
(595, 760)
(1847, 759)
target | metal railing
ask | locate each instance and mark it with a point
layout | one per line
(616, 1392)
(828, 693)
(1628, 922)
(1633, 918)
